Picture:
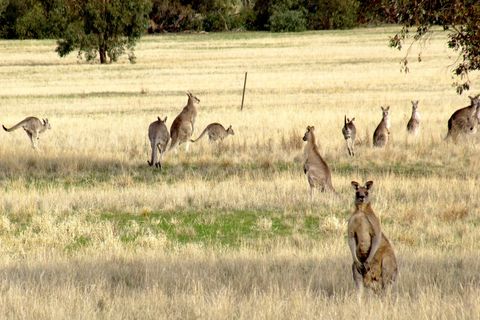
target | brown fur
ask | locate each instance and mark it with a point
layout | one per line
(182, 127)
(316, 169)
(159, 137)
(382, 132)
(33, 127)
(349, 132)
(413, 125)
(215, 132)
(374, 263)
(464, 120)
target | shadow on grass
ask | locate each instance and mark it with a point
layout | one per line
(244, 275)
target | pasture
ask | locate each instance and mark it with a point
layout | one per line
(88, 230)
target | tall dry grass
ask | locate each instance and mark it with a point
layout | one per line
(63, 256)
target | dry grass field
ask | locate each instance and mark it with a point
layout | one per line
(88, 230)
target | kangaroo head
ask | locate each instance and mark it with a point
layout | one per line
(230, 130)
(46, 124)
(475, 102)
(361, 193)
(349, 121)
(192, 98)
(308, 135)
(414, 105)
(385, 111)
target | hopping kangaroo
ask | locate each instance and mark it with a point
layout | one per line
(464, 120)
(316, 169)
(183, 125)
(380, 136)
(159, 137)
(215, 132)
(374, 263)
(33, 127)
(413, 125)
(349, 131)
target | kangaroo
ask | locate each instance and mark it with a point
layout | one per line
(413, 125)
(159, 137)
(374, 263)
(380, 136)
(215, 132)
(33, 127)
(316, 169)
(184, 124)
(349, 132)
(464, 120)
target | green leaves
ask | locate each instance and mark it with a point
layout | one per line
(101, 29)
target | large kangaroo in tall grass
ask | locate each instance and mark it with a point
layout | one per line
(374, 263)
(464, 120)
(182, 127)
(382, 132)
(316, 169)
(159, 137)
(33, 127)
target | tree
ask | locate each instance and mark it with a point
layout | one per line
(107, 27)
(460, 18)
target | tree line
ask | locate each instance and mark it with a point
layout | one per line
(106, 29)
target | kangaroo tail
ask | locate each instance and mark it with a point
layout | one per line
(201, 135)
(18, 125)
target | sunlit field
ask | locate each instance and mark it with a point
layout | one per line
(228, 230)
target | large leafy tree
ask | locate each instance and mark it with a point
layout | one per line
(103, 28)
(460, 18)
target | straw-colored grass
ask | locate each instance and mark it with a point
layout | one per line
(88, 230)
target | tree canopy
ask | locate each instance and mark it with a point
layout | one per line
(460, 18)
(108, 28)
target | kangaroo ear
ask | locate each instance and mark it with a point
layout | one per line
(352, 119)
(188, 93)
(387, 108)
(165, 120)
(355, 185)
(369, 184)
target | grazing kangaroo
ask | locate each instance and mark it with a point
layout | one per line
(374, 263)
(183, 125)
(159, 137)
(316, 169)
(215, 132)
(464, 120)
(33, 127)
(349, 132)
(380, 136)
(413, 125)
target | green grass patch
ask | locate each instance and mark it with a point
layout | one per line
(214, 227)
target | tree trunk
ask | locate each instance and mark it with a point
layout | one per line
(103, 54)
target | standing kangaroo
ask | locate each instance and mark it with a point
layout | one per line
(374, 263)
(183, 125)
(413, 125)
(33, 127)
(380, 136)
(316, 169)
(464, 120)
(159, 137)
(349, 132)
(215, 132)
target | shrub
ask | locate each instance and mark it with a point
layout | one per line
(332, 14)
(288, 21)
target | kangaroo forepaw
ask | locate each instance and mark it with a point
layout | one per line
(158, 165)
